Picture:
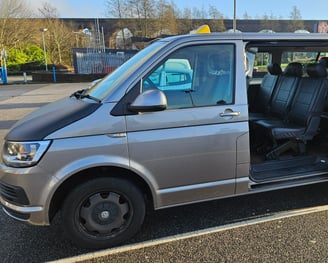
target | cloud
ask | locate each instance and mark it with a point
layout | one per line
(72, 8)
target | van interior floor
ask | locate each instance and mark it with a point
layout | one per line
(295, 167)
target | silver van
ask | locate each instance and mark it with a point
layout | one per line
(248, 114)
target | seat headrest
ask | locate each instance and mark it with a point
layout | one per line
(274, 69)
(324, 61)
(294, 69)
(316, 70)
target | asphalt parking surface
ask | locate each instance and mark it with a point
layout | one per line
(279, 238)
(302, 238)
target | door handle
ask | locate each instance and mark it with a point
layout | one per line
(229, 113)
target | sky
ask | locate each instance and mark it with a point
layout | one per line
(280, 9)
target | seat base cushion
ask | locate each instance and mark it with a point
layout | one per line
(281, 130)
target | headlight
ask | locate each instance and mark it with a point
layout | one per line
(23, 154)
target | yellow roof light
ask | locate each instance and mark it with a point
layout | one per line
(204, 29)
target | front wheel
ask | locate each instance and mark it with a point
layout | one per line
(103, 212)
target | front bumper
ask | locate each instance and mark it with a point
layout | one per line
(24, 193)
(21, 213)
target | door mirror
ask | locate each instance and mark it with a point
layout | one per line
(148, 101)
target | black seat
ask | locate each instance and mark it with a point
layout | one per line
(285, 89)
(265, 91)
(283, 93)
(303, 119)
(324, 61)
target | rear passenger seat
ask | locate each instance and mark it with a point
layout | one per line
(282, 94)
(303, 118)
(324, 61)
(264, 94)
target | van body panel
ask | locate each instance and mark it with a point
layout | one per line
(242, 183)
(98, 123)
(243, 154)
(195, 193)
(84, 153)
(193, 141)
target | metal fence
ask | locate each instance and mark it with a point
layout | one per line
(86, 62)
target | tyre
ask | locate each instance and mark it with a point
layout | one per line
(103, 212)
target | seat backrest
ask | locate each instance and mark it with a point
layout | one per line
(285, 89)
(324, 61)
(216, 84)
(264, 94)
(309, 100)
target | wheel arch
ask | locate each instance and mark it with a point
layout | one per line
(95, 172)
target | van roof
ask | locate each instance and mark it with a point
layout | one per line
(253, 36)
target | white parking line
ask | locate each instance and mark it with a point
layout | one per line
(208, 231)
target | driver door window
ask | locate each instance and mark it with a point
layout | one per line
(195, 76)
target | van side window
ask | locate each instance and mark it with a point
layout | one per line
(195, 76)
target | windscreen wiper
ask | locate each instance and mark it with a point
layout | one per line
(87, 96)
(77, 93)
(80, 94)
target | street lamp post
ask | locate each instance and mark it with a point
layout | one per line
(42, 30)
(234, 16)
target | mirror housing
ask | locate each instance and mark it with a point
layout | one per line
(149, 101)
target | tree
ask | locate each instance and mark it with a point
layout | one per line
(117, 8)
(186, 21)
(198, 13)
(216, 23)
(270, 23)
(17, 31)
(20, 56)
(14, 27)
(120, 10)
(60, 38)
(296, 20)
(143, 11)
(246, 16)
(166, 18)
